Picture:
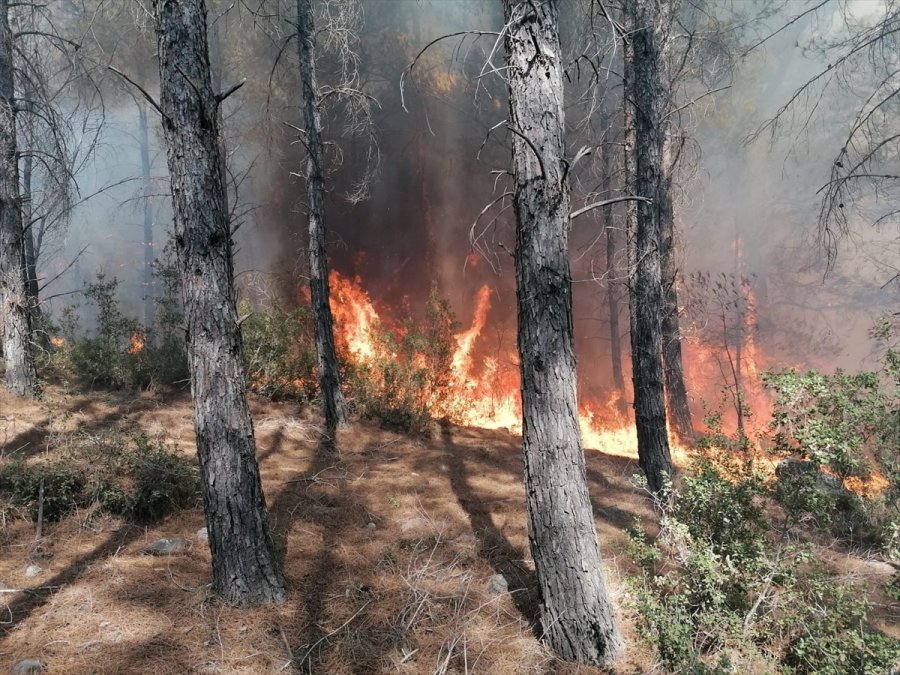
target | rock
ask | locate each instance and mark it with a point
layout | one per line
(371, 526)
(28, 666)
(203, 534)
(498, 585)
(167, 546)
(32, 571)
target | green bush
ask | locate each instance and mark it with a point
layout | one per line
(63, 488)
(280, 352)
(143, 480)
(719, 592)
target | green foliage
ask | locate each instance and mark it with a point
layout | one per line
(143, 480)
(63, 488)
(830, 636)
(121, 354)
(718, 592)
(406, 384)
(280, 352)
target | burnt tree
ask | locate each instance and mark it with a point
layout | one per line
(676, 391)
(644, 137)
(245, 568)
(15, 314)
(575, 610)
(329, 377)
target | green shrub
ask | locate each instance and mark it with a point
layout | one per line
(63, 488)
(719, 593)
(163, 481)
(142, 480)
(280, 352)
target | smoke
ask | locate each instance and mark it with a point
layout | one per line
(743, 209)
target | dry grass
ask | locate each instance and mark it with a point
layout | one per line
(389, 547)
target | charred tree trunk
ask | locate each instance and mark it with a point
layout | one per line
(245, 567)
(576, 613)
(329, 376)
(14, 307)
(613, 247)
(676, 392)
(32, 290)
(149, 310)
(643, 156)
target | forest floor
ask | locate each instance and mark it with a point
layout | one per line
(390, 550)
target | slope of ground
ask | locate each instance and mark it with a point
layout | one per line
(391, 550)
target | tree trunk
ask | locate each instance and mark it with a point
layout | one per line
(32, 290)
(329, 376)
(149, 309)
(612, 285)
(676, 391)
(245, 567)
(643, 156)
(576, 613)
(14, 309)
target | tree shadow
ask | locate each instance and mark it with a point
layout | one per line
(301, 500)
(493, 546)
(35, 597)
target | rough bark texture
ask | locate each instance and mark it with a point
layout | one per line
(643, 156)
(329, 377)
(32, 290)
(613, 247)
(575, 611)
(149, 308)
(245, 567)
(15, 316)
(676, 391)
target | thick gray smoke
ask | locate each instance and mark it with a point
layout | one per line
(743, 209)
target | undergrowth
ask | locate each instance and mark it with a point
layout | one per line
(139, 478)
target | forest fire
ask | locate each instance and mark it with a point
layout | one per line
(483, 389)
(136, 344)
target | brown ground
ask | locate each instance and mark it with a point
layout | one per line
(408, 595)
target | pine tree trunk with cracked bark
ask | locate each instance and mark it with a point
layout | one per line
(15, 313)
(246, 570)
(643, 157)
(576, 614)
(676, 390)
(329, 375)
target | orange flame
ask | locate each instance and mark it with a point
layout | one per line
(57, 341)
(137, 343)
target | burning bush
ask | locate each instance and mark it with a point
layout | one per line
(121, 354)
(406, 380)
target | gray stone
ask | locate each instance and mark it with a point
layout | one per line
(167, 546)
(32, 571)
(371, 526)
(498, 585)
(203, 534)
(28, 666)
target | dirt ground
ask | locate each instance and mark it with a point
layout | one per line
(389, 551)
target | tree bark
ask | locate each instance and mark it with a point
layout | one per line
(613, 246)
(245, 568)
(32, 290)
(676, 391)
(329, 376)
(149, 308)
(643, 156)
(575, 610)
(20, 378)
